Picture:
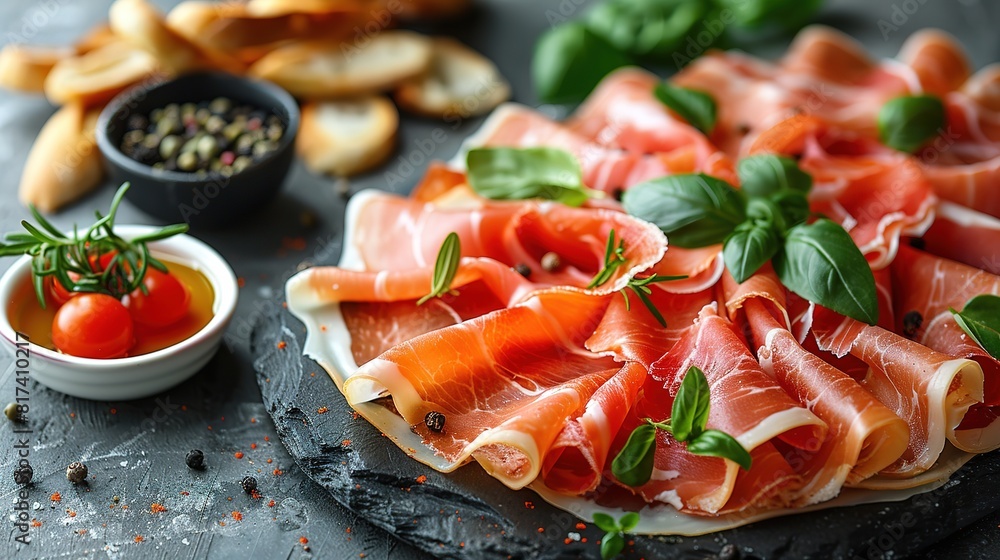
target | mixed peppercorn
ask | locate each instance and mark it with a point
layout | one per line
(215, 136)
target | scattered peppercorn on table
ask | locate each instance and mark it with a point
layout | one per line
(199, 471)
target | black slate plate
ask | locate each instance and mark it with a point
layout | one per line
(470, 515)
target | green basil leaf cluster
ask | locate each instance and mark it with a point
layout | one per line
(572, 57)
(613, 542)
(906, 123)
(980, 319)
(764, 221)
(633, 465)
(523, 173)
(696, 107)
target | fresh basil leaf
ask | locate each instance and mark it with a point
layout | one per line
(695, 107)
(789, 14)
(907, 123)
(767, 175)
(793, 205)
(570, 60)
(980, 319)
(649, 29)
(689, 414)
(523, 173)
(748, 248)
(634, 464)
(694, 210)
(720, 444)
(612, 545)
(605, 522)
(628, 521)
(821, 263)
(445, 268)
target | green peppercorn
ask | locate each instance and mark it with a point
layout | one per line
(169, 146)
(274, 133)
(13, 412)
(151, 141)
(261, 148)
(134, 137)
(187, 161)
(76, 472)
(208, 146)
(169, 124)
(244, 145)
(215, 124)
(241, 163)
(220, 105)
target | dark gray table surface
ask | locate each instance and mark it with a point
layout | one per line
(135, 449)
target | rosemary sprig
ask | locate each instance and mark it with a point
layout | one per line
(640, 286)
(73, 260)
(445, 267)
(614, 257)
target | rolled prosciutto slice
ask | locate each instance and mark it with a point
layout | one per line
(746, 403)
(926, 287)
(931, 391)
(964, 235)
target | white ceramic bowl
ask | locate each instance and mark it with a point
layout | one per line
(138, 376)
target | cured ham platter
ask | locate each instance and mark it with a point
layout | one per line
(759, 289)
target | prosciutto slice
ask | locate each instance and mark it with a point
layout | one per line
(964, 235)
(929, 390)
(507, 382)
(745, 402)
(929, 286)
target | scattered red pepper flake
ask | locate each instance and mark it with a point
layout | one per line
(72, 415)
(277, 472)
(529, 505)
(282, 344)
(322, 410)
(36, 523)
(240, 281)
(271, 503)
(185, 493)
(303, 540)
(156, 508)
(348, 530)
(322, 328)
(184, 407)
(421, 479)
(255, 494)
(71, 513)
(56, 497)
(567, 540)
(581, 526)
(583, 539)
(222, 523)
(237, 516)
(269, 461)
(139, 539)
(238, 454)
(253, 446)
(346, 443)
(81, 532)
(267, 438)
(312, 374)
(541, 529)
(114, 411)
(210, 428)
(124, 507)
(253, 420)
(461, 544)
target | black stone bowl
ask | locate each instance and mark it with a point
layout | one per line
(206, 201)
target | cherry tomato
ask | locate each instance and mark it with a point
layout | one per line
(93, 326)
(59, 294)
(166, 303)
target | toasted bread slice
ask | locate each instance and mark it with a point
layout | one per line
(232, 28)
(24, 68)
(95, 77)
(460, 82)
(330, 70)
(64, 162)
(94, 39)
(139, 23)
(347, 137)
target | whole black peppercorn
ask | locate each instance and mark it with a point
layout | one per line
(523, 269)
(434, 421)
(249, 484)
(729, 552)
(618, 193)
(911, 322)
(23, 475)
(195, 459)
(76, 472)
